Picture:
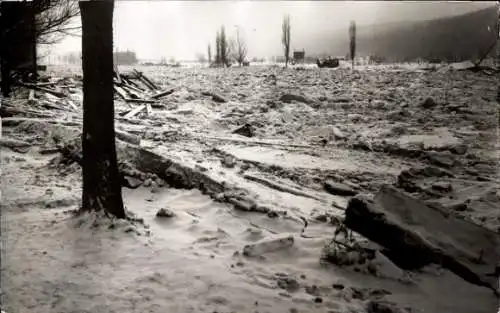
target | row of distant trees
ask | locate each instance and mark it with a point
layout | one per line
(228, 49)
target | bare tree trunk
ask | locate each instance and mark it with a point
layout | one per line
(352, 41)
(6, 79)
(101, 183)
(285, 38)
(33, 48)
(209, 55)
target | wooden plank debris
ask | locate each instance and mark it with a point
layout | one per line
(135, 111)
(72, 105)
(132, 84)
(163, 93)
(149, 110)
(50, 105)
(145, 80)
(124, 136)
(36, 87)
(121, 92)
(31, 97)
(140, 100)
(131, 92)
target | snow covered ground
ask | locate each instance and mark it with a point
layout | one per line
(360, 129)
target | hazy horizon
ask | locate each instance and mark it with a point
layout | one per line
(182, 29)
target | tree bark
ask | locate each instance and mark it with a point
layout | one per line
(101, 183)
(6, 78)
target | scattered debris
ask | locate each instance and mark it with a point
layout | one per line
(268, 245)
(338, 188)
(442, 186)
(383, 306)
(120, 92)
(246, 130)
(444, 159)
(228, 161)
(163, 94)
(429, 103)
(288, 98)
(31, 97)
(167, 213)
(42, 88)
(135, 111)
(127, 137)
(396, 133)
(337, 133)
(328, 62)
(287, 282)
(216, 97)
(241, 205)
(279, 187)
(15, 145)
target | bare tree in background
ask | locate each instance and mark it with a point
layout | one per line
(231, 51)
(352, 41)
(285, 37)
(217, 49)
(101, 180)
(209, 50)
(224, 46)
(241, 48)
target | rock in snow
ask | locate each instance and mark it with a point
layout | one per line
(288, 98)
(246, 130)
(429, 103)
(338, 188)
(416, 235)
(382, 306)
(165, 213)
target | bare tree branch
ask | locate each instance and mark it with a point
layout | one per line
(54, 19)
(241, 48)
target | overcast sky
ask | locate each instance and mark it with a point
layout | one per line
(180, 29)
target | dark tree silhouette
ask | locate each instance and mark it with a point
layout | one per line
(285, 38)
(42, 22)
(17, 41)
(224, 46)
(352, 41)
(209, 50)
(101, 180)
(217, 49)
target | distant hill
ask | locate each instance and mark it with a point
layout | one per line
(455, 38)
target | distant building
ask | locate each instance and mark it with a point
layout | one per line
(125, 57)
(298, 56)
